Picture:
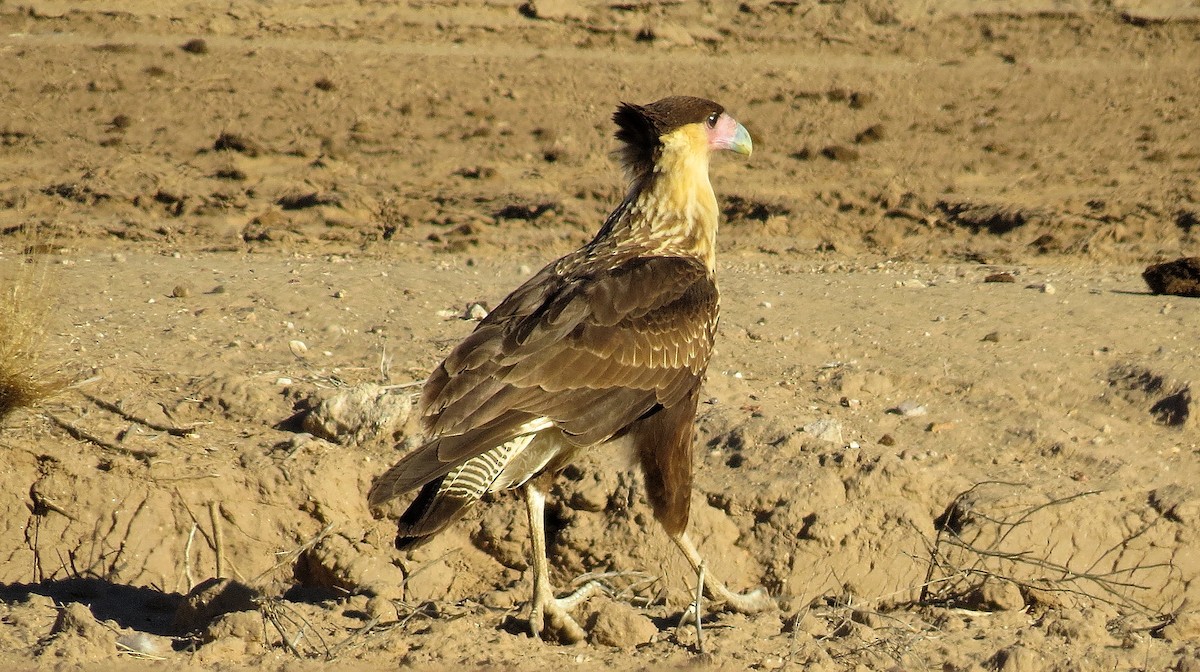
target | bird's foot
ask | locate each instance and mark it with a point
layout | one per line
(550, 616)
(750, 602)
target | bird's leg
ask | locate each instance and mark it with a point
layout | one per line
(694, 612)
(547, 613)
(747, 603)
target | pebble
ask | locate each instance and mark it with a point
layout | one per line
(616, 624)
(143, 643)
(911, 409)
(825, 429)
(298, 348)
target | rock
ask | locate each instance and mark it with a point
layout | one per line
(554, 10)
(1180, 277)
(1000, 277)
(358, 414)
(910, 409)
(618, 624)
(998, 594)
(144, 643)
(212, 598)
(825, 429)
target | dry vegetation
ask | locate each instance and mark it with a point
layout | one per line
(28, 374)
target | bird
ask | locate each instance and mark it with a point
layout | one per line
(607, 345)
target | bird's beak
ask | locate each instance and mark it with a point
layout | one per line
(741, 142)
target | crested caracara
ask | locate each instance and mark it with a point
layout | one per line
(609, 342)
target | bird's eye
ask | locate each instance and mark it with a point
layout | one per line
(712, 119)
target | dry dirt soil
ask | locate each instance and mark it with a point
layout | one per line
(238, 212)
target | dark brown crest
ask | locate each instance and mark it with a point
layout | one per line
(639, 127)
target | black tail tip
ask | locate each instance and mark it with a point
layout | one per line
(405, 542)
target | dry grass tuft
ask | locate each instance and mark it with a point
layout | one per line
(26, 377)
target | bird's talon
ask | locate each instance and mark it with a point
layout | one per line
(550, 620)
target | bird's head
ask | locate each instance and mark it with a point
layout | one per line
(698, 124)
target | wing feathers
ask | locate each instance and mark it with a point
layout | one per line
(589, 345)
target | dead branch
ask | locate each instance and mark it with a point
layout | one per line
(81, 434)
(116, 408)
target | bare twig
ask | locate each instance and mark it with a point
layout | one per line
(187, 559)
(116, 408)
(986, 558)
(83, 435)
(214, 514)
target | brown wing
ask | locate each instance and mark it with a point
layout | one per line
(589, 350)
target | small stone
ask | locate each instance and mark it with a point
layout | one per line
(476, 312)
(910, 409)
(887, 440)
(1000, 277)
(618, 624)
(1047, 288)
(144, 643)
(380, 608)
(825, 429)
(998, 594)
(357, 414)
(939, 427)
(298, 348)
(181, 291)
(554, 10)
(195, 46)
(991, 337)
(339, 294)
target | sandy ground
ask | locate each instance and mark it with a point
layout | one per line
(240, 211)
